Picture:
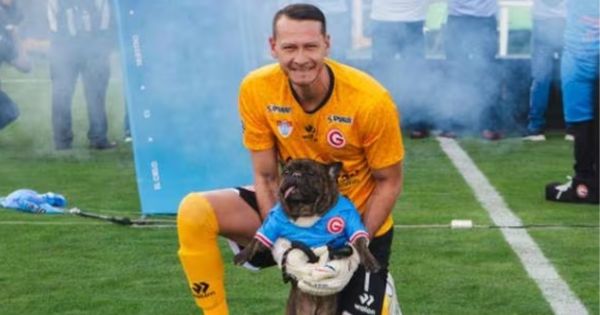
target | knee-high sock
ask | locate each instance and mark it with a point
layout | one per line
(199, 253)
(586, 150)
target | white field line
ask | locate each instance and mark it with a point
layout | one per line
(50, 223)
(556, 291)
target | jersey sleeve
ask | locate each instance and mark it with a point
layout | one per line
(257, 134)
(380, 133)
(354, 227)
(269, 232)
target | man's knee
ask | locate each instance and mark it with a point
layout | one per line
(196, 220)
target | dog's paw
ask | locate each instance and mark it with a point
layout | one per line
(240, 259)
(371, 265)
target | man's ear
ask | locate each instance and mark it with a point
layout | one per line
(272, 46)
(334, 169)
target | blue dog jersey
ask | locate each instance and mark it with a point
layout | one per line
(28, 200)
(341, 224)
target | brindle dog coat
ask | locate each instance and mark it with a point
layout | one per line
(307, 191)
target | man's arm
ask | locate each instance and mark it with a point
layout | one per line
(266, 179)
(388, 186)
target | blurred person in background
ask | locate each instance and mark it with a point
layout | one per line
(579, 76)
(80, 44)
(471, 44)
(11, 52)
(398, 29)
(546, 44)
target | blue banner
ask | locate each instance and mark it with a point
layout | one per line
(183, 62)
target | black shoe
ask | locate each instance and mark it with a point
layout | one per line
(491, 135)
(448, 134)
(419, 134)
(573, 191)
(104, 145)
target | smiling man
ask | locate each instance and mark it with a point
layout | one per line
(303, 106)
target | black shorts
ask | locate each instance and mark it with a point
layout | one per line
(262, 259)
(365, 292)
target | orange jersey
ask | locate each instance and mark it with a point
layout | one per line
(358, 125)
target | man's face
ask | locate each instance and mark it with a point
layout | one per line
(300, 48)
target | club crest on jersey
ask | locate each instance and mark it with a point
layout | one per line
(336, 138)
(285, 128)
(336, 225)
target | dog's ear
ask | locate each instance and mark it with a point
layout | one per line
(334, 169)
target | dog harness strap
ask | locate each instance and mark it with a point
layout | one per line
(312, 258)
(284, 274)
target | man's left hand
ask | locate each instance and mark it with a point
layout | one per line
(324, 277)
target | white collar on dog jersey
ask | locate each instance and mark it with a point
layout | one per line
(306, 221)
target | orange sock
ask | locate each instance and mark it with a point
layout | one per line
(199, 253)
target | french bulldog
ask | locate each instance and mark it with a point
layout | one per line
(309, 204)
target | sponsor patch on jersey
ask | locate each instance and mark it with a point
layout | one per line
(283, 109)
(285, 128)
(336, 225)
(340, 119)
(336, 138)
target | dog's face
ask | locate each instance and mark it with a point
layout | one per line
(308, 188)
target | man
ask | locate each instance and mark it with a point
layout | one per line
(79, 44)
(579, 74)
(546, 45)
(11, 52)
(305, 106)
(398, 28)
(472, 91)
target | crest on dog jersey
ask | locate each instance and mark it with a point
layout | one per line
(336, 225)
(285, 128)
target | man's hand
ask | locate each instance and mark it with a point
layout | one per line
(324, 277)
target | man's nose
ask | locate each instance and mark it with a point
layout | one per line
(301, 57)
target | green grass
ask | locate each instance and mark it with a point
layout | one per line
(521, 180)
(89, 267)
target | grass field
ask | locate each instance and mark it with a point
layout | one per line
(69, 265)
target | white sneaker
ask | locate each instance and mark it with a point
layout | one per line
(393, 306)
(569, 137)
(537, 137)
